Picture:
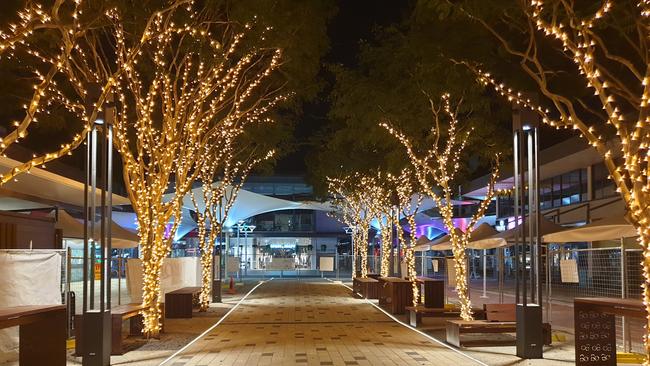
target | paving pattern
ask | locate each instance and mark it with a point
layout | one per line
(290, 322)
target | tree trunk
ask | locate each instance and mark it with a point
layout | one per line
(462, 288)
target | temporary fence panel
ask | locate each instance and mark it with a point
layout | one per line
(32, 277)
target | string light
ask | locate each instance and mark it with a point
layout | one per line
(169, 123)
(620, 102)
(218, 199)
(435, 169)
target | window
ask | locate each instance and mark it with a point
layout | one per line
(546, 194)
(602, 186)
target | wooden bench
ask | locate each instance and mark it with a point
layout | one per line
(433, 292)
(395, 294)
(367, 288)
(500, 318)
(42, 333)
(179, 303)
(119, 314)
(414, 314)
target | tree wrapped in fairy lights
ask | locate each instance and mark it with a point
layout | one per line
(408, 203)
(56, 45)
(606, 46)
(182, 84)
(351, 198)
(221, 180)
(436, 165)
(203, 90)
(379, 198)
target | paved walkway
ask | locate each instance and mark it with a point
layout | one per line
(289, 322)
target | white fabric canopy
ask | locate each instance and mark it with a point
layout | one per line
(444, 242)
(422, 244)
(50, 186)
(73, 230)
(248, 204)
(611, 228)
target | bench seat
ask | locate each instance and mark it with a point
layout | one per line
(414, 314)
(119, 314)
(179, 303)
(500, 319)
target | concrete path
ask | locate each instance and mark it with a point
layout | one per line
(291, 322)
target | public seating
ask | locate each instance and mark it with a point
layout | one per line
(499, 319)
(179, 303)
(367, 288)
(42, 333)
(119, 314)
(395, 294)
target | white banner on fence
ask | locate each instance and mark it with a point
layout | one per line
(175, 273)
(451, 272)
(569, 271)
(29, 278)
(326, 264)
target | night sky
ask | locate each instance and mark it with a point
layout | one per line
(353, 24)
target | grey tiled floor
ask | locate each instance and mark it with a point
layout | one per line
(289, 322)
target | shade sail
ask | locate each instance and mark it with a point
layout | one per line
(73, 230)
(611, 228)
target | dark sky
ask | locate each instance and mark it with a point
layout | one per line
(353, 23)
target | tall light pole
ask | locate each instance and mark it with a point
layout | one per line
(96, 315)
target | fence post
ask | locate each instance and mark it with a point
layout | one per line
(501, 268)
(624, 323)
(548, 285)
(484, 274)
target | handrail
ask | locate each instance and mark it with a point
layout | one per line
(555, 213)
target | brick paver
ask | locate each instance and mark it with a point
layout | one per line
(290, 322)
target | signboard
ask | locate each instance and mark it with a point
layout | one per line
(98, 271)
(451, 272)
(326, 264)
(282, 264)
(434, 263)
(569, 271)
(232, 264)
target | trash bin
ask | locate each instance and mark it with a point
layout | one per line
(216, 290)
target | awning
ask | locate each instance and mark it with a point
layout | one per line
(73, 232)
(611, 228)
(444, 242)
(48, 186)
(422, 244)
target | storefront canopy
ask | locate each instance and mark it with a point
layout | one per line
(612, 228)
